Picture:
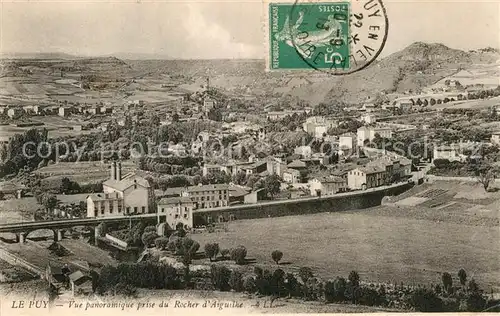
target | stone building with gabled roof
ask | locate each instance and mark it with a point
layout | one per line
(127, 195)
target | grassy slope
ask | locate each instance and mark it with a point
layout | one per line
(379, 247)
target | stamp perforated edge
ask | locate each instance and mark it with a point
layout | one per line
(267, 39)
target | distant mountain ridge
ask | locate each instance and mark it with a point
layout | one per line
(412, 68)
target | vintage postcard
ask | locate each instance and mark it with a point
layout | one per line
(249, 157)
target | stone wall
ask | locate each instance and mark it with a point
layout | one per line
(341, 202)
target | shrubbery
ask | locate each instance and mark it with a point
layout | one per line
(211, 250)
(125, 278)
(236, 281)
(161, 243)
(220, 277)
(238, 254)
(424, 300)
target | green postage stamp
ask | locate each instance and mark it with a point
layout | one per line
(308, 35)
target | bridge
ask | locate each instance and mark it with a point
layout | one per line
(59, 226)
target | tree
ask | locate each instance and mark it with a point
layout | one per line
(211, 250)
(272, 185)
(238, 254)
(354, 278)
(65, 187)
(424, 300)
(161, 243)
(249, 284)
(485, 175)
(277, 255)
(472, 286)
(175, 118)
(224, 253)
(49, 201)
(305, 273)
(447, 281)
(462, 275)
(102, 229)
(148, 238)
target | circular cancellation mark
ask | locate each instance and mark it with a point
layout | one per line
(365, 36)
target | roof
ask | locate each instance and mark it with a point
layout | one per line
(126, 182)
(330, 179)
(371, 169)
(175, 200)
(103, 196)
(237, 191)
(297, 164)
(207, 187)
(77, 275)
(72, 198)
(292, 171)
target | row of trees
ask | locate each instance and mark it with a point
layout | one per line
(303, 285)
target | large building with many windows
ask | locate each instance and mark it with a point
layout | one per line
(203, 196)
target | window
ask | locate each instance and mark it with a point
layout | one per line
(119, 207)
(176, 215)
(128, 209)
(185, 215)
(163, 210)
(135, 209)
(111, 208)
(95, 211)
(143, 209)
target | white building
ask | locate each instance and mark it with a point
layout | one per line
(121, 196)
(327, 186)
(176, 211)
(368, 118)
(495, 138)
(369, 132)
(317, 126)
(304, 151)
(291, 176)
(347, 141)
(449, 153)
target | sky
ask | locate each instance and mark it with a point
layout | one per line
(216, 29)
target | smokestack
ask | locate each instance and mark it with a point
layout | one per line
(119, 171)
(113, 170)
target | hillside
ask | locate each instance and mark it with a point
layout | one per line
(413, 68)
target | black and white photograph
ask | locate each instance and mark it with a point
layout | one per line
(249, 157)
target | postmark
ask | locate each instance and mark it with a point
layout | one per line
(338, 38)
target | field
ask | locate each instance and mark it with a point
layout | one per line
(384, 244)
(17, 210)
(82, 172)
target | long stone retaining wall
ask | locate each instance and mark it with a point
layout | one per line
(336, 203)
